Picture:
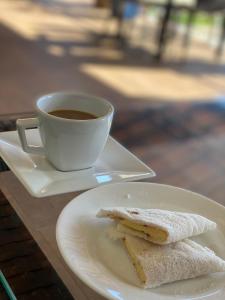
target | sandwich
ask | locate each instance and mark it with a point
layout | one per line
(156, 265)
(157, 226)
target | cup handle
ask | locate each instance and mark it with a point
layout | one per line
(22, 125)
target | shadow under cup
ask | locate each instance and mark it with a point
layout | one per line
(71, 144)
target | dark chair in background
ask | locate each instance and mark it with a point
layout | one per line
(122, 10)
(128, 9)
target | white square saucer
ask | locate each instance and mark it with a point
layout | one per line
(41, 179)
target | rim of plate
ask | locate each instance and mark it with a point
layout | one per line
(79, 274)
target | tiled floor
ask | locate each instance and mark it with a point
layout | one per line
(54, 45)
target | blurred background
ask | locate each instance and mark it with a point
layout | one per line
(138, 52)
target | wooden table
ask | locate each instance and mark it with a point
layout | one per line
(184, 144)
(39, 215)
(197, 164)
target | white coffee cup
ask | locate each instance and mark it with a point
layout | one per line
(69, 144)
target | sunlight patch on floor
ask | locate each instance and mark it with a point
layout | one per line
(162, 83)
(32, 20)
(98, 52)
(55, 50)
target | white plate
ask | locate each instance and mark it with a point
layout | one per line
(41, 179)
(104, 264)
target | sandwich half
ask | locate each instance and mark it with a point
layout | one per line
(156, 225)
(156, 265)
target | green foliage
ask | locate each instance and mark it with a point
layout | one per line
(201, 19)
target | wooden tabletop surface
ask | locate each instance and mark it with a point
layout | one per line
(192, 159)
(197, 165)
